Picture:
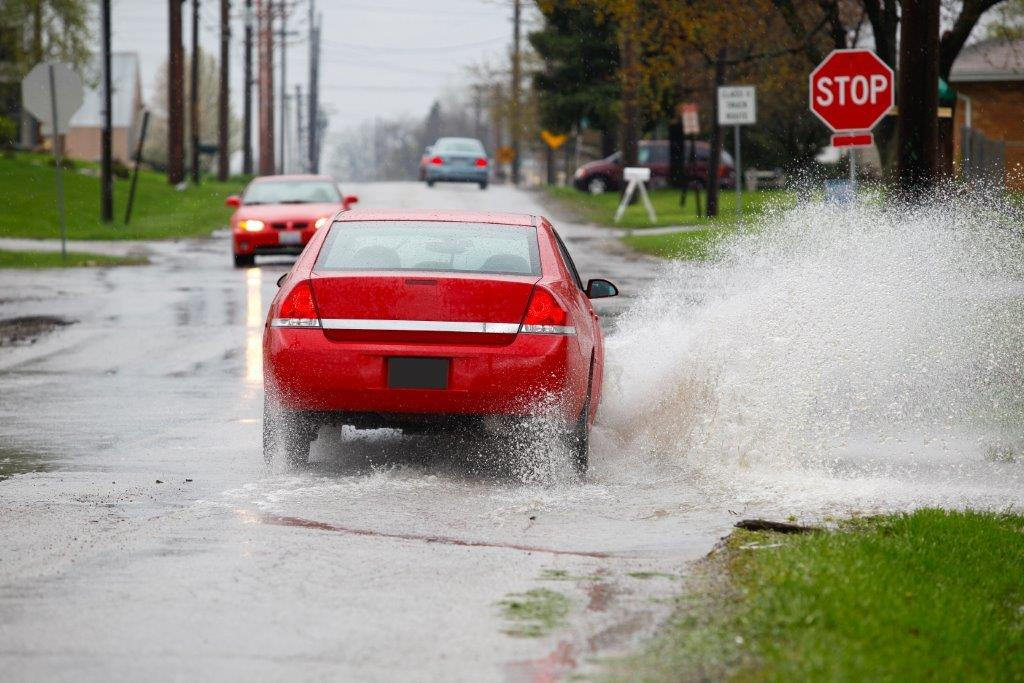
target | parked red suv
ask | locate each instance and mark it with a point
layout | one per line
(606, 174)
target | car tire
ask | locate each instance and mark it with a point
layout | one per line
(430, 183)
(287, 433)
(579, 442)
(245, 260)
(483, 186)
(597, 185)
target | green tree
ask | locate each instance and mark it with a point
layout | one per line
(37, 30)
(578, 77)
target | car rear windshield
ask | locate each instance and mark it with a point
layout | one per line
(291, 192)
(456, 146)
(435, 246)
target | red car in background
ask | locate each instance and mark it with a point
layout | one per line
(420, 320)
(279, 214)
(605, 175)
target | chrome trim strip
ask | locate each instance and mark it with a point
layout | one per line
(418, 326)
(295, 322)
(548, 329)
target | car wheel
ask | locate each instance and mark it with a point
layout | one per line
(597, 185)
(430, 183)
(245, 260)
(483, 186)
(579, 442)
(287, 433)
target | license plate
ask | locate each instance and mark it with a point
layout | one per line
(289, 237)
(418, 373)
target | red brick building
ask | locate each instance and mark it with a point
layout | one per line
(989, 79)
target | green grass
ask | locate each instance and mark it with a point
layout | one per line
(695, 245)
(534, 613)
(600, 209)
(28, 187)
(53, 259)
(931, 595)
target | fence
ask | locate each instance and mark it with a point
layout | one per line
(982, 159)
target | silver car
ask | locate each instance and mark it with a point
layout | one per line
(457, 160)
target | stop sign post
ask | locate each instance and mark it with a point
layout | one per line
(52, 92)
(850, 91)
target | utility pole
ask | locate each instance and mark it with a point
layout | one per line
(266, 87)
(284, 166)
(516, 78)
(175, 98)
(300, 165)
(193, 96)
(314, 90)
(106, 175)
(628, 49)
(715, 158)
(247, 94)
(917, 96)
(222, 103)
(283, 32)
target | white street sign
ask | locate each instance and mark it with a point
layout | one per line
(68, 91)
(737, 105)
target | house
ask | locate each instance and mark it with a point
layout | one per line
(83, 137)
(989, 79)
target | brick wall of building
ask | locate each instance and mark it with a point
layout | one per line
(997, 110)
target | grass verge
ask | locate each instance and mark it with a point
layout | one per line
(534, 613)
(930, 595)
(694, 245)
(600, 209)
(53, 259)
(28, 186)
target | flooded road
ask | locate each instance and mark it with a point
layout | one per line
(142, 535)
(853, 368)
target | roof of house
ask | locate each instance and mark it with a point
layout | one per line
(124, 77)
(989, 60)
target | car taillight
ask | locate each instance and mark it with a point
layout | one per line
(297, 309)
(437, 161)
(481, 162)
(544, 315)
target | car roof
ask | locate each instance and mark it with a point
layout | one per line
(495, 217)
(452, 139)
(297, 176)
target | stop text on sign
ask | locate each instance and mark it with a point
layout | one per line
(851, 90)
(855, 89)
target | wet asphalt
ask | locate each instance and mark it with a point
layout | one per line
(142, 537)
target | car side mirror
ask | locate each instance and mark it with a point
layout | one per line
(351, 199)
(280, 280)
(233, 201)
(600, 289)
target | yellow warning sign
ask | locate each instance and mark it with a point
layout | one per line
(552, 140)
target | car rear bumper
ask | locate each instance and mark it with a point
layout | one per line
(534, 373)
(270, 241)
(456, 174)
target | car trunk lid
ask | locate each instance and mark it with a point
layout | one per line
(428, 307)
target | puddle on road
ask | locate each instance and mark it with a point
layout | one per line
(17, 461)
(27, 329)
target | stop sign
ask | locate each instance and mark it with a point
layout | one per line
(851, 90)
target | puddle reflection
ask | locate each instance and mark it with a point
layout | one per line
(254, 327)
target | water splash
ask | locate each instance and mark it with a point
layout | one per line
(833, 343)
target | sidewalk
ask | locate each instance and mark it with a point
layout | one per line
(107, 248)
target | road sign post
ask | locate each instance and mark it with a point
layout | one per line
(850, 91)
(52, 93)
(737, 106)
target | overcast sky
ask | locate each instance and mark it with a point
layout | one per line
(379, 57)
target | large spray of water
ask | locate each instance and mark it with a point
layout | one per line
(834, 343)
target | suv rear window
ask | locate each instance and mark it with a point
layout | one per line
(435, 246)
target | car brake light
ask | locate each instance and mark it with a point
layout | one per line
(481, 162)
(297, 309)
(544, 315)
(437, 161)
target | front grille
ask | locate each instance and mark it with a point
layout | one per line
(290, 225)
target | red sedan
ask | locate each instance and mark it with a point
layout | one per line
(279, 214)
(426, 320)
